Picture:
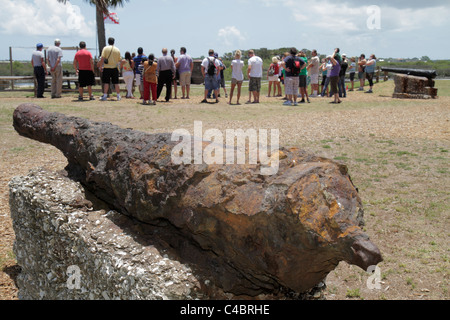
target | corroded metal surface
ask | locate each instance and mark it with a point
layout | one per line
(253, 233)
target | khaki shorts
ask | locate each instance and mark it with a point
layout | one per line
(185, 79)
(235, 81)
(254, 84)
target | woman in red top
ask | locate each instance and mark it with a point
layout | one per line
(272, 75)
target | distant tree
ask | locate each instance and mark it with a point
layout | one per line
(425, 58)
(228, 56)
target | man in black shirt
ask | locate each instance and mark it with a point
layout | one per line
(341, 83)
(292, 66)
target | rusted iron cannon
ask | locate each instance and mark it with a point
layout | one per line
(251, 233)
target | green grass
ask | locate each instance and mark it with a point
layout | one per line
(353, 293)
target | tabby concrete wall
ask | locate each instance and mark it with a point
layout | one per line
(68, 250)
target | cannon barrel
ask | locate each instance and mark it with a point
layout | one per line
(253, 233)
(430, 74)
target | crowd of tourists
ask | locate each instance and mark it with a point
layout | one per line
(150, 75)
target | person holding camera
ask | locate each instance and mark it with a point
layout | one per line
(361, 71)
(109, 60)
(370, 71)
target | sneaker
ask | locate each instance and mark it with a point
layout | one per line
(91, 98)
(204, 101)
(369, 91)
(80, 98)
(295, 103)
(103, 98)
(302, 101)
(287, 103)
(119, 98)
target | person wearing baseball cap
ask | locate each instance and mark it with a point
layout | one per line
(40, 69)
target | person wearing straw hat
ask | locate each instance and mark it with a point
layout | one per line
(272, 75)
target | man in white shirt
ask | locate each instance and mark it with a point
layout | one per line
(210, 69)
(54, 60)
(254, 74)
(314, 68)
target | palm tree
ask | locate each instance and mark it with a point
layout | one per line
(101, 7)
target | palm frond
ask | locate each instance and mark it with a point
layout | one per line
(103, 5)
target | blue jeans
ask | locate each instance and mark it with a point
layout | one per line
(211, 83)
(211, 91)
(341, 86)
(325, 86)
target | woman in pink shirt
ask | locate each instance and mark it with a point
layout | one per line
(127, 67)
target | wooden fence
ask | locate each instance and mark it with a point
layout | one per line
(70, 84)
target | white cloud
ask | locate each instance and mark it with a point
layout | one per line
(407, 20)
(230, 35)
(327, 16)
(352, 16)
(43, 18)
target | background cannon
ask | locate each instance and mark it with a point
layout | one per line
(430, 74)
(413, 83)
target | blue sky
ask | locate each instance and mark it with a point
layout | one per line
(387, 28)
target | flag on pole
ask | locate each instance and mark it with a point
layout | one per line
(111, 18)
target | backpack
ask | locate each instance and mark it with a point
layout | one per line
(271, 70)
(296, 66)
(211, 67)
